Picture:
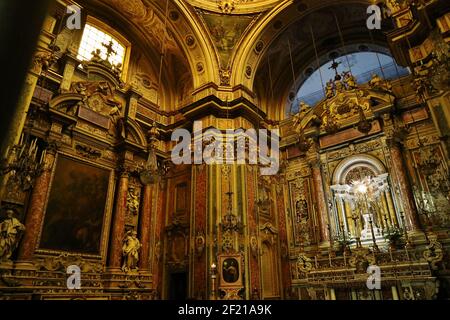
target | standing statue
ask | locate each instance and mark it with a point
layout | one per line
(11, 230)
(130, 251)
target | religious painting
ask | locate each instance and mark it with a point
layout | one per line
(230, 270)
(76, 208)
(225, 32)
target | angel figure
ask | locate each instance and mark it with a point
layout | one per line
(330, 89)
(153, 133)
(130, 251)
(349, 80)
(97, 56)
(133, 201)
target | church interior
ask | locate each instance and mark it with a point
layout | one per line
(348, 100)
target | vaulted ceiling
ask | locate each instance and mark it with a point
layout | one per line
(204, 37)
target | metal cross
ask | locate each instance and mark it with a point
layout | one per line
(334, 66)
(109, 49)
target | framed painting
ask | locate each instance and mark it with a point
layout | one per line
(76, 208)
(230, 271)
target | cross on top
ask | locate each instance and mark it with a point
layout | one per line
(334, 66)
(109, 49)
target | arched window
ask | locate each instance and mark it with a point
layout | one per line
(97, 35)
(362, 64)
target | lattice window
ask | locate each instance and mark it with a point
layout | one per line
(93, 39)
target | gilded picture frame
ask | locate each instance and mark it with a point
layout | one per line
(230, 271)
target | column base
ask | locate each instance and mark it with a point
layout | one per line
(20, 274)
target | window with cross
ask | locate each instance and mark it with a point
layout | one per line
(110, 48)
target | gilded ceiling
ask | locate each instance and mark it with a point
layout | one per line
(203, 41)
(235, 6)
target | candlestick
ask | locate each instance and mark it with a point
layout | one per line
(213, 281)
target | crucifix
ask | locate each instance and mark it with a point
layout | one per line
(334, 66)
(109, 50)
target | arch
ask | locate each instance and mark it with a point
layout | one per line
(383, 64)
(350, 163)
(137, 132)
(142, 20)
(282, 23)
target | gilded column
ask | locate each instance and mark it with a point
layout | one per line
(144, 228)
(407, 200)
(321, 203)
(35, 213)
(118, 226)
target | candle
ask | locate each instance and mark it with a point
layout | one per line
(43, 156)
(315, 260)
(345, 259)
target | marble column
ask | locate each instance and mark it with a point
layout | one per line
(321, 203)
(144, 228)
(407, 199)
(118, 226)
(200, 265)
(35, 213)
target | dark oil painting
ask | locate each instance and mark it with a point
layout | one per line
(76, 208)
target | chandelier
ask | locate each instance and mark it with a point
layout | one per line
(231, 222)
(23, 164)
